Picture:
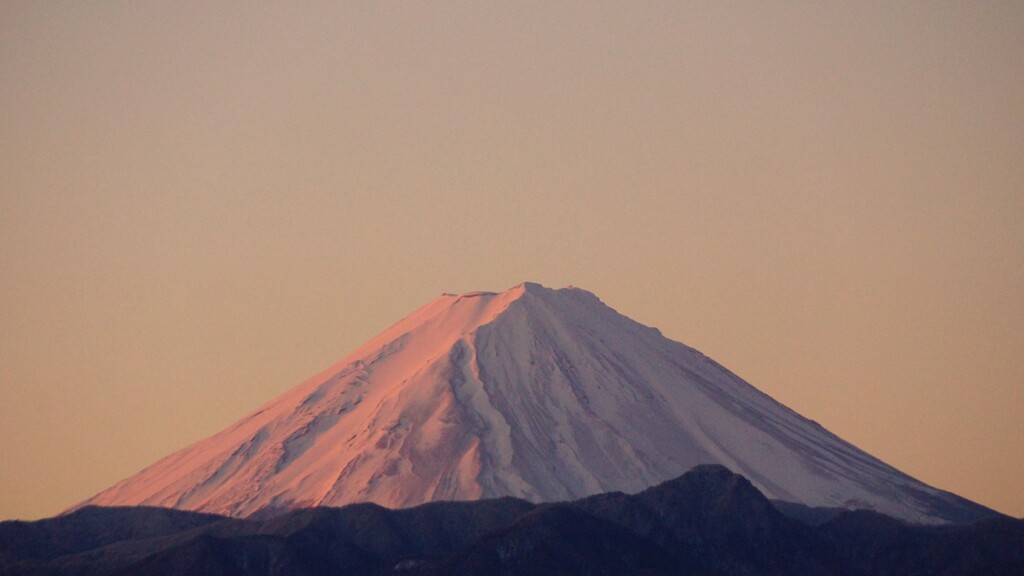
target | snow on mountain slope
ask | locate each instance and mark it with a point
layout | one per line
(536, 393)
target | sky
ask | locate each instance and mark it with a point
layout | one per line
(202, 204)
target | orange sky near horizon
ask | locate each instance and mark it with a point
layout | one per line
(203, 204)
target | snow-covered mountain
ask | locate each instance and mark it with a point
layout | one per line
(541, 394)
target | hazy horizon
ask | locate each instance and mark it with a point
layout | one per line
(205, 204)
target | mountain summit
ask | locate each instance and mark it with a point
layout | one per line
(541, 394)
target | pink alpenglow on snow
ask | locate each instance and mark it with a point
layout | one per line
(536, 393)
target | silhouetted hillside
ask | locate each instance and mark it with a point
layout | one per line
(708, 521)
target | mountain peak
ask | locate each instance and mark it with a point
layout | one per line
(530, 286)
(521, 288)
(535, 288)
(535, 393)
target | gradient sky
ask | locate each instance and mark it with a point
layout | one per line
(202, 204)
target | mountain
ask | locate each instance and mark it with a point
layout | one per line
(539, 394)
(708, 521)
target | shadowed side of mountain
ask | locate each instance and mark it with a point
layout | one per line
(707, 521)
(95, 527)
(561, 539)
(719, 519)
(808, 515)
(426, 532)
(866, 542)
(207, 555)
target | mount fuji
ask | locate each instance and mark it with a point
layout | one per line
(541, 394)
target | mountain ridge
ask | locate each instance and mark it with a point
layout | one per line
(706, 521)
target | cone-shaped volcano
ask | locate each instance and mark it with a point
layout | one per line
(536, 393)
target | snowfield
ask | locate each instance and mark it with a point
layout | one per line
(536, 393)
